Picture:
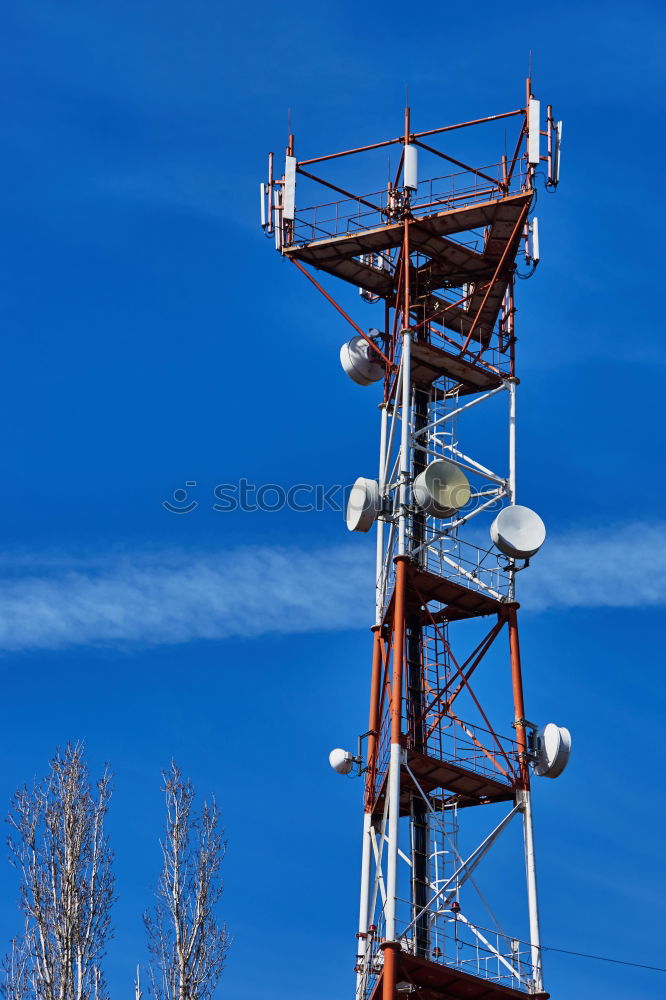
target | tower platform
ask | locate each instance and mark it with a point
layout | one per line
(467, 785)
(433, 981)
(459, 601)
(430, 363)
(448, 262)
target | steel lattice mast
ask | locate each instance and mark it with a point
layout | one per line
(438, 258)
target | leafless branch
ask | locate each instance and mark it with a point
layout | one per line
(187, 944)
(58, 845)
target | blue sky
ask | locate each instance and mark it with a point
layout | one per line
(152, 337)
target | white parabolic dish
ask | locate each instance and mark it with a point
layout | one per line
(363, 505)
(554, 750)
(361, 362)
(441, 489)
(518, 532)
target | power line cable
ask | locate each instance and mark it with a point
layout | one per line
(578, 954)
(602, 958)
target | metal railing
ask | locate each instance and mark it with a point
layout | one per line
(456, 943)
(348, 216)
(466, 746)
(477, 951)
(449, 557)
(495, 357)
(452, 558)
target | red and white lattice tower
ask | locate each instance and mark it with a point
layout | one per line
(437, 251)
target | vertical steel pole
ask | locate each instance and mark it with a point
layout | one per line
(269, 228)
(391, 946)
(373, 726)
(512, 440)
(366, 856)
(405, 416)
(512, 473)
(398, 646)
(528, 830)
(362, 953)
(379, 561)
(530, 865)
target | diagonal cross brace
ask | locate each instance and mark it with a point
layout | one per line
(467, 867)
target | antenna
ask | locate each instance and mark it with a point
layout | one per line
(446, 595)
(534, 132)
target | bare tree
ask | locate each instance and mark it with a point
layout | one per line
(17, 982)
(59, 846)
(187, 944)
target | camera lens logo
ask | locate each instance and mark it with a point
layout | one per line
(178, 503)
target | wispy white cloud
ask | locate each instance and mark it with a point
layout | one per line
(610, 567)
(177, 597)
(51, 601)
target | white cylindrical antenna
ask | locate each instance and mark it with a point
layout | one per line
(410, 170)
(289, 193)
(262, 195)
(269, 197)
(535, 240)
(558, 147)
(277, 217)
(534, 132)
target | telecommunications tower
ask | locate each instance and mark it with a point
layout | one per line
(436, 253)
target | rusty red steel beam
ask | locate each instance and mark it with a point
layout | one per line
(516, 151)
(481, 747)
(400, 163)
(469, 670)
(487, 643)
(459, 163)
(396, 317)
(442, 691)
(457, 668)
(406, 306)
(349, 152)
(519, 222)
(347, 194)
(398, 648)
(389, 969)
(475, 121)
(330, 299)
(475, 357)
(518, 700)
(374, 716)
(392, 947)
(415, 135)
(474, 659)
(440, 312)
(386, 684)
(387, 375)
